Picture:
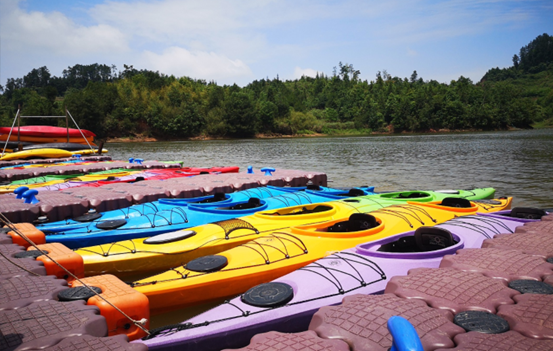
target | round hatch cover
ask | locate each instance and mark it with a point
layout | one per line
(210, 263)
(269, 295)
(89, 217)
(112, 224)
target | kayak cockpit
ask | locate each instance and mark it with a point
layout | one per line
(424, 239)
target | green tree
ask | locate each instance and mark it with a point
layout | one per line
(239, 115)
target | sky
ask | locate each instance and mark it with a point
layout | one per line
(239, 41)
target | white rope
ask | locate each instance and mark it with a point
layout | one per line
(90, 146)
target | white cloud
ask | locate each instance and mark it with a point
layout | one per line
(308, 72)
(25, 32)
(200, 65)
(227, 40)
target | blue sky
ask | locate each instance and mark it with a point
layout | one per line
(238, 41)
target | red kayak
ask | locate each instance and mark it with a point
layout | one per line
(46, 131)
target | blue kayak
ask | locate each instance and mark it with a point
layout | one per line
(169, 215)
(169, 204)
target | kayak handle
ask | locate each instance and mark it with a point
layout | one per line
(405, 337)
(19, 191)
(29, 196)
(268, 171)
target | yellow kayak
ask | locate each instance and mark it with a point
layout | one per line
(102, 176)
(42, 153)
(268, 257)
(88, 152)
(142, 257)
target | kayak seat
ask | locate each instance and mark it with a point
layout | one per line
(425, 239)
(355, 223)
(313, 187)
(252, 203)
(355, 192)
(304, 210)
(432, 239)
(404, 244)
(456, 202)
(527, 213)
(413, 195)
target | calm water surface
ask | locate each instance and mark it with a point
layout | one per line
(516, 163)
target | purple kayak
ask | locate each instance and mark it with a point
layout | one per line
(288, 303)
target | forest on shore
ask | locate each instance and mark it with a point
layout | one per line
(144, 103)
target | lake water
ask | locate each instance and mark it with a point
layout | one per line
(516, 163)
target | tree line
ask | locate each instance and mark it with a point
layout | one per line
(130, 102)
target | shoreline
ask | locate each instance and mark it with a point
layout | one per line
(145, 139)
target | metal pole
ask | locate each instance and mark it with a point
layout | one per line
(18, 124)
(67, 124)
(10, 133)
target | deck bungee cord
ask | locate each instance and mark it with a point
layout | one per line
(392, 210)
(96, 229)
(228, 227)
(132, 259)
(288, 242)
(138, 323)
(494, 225)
